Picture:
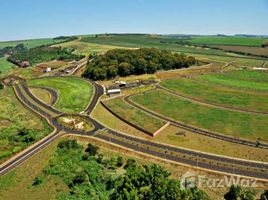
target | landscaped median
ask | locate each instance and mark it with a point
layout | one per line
(74, 94)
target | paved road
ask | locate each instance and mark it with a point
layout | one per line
(52, 92)
(194, 129)
(186, 156)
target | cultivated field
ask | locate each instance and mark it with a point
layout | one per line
(237, 124)
(74, 94)
(221, 40)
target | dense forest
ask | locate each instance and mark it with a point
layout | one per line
(122, 62)
(91, 175)
(42, 54)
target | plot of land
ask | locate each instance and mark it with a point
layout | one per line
(224, 96)
(42, 94)
(134, 115)
(19, 127)
(74, 94)
(241, 79)
(217, 120)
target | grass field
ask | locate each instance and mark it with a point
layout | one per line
(41, 94)
(241, 79)
(134, 115)
(147, 41)
(15, 119)
(30, 43)
(74, 94)
(218, 95)
(217, 120)
(5, 67)
(221, 40)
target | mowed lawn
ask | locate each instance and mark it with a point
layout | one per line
(222, 96)
(241, 79)
(134, 115)
(74, 94)
(237, 124)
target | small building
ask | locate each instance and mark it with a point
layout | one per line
(48, 69)
(113, 92)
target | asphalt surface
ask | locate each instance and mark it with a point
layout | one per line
(53, 93)
(197, 130)
(180, 155)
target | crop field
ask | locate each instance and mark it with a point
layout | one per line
(86, 48)
(147, 41)
(244, 49)
(228, 122)
(30, 43)
(74, 94)
(224, 96)
(5, 67)
(134, 115)
(240, 79)
(19, 128)
(221, 40)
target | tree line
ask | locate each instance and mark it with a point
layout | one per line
(42, 54)
(120, 62)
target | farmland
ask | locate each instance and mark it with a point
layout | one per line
(222, 96)
(227, 40)
(74, 94)
(30, 43)
(205, 117)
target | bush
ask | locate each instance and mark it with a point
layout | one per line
(120, 161)
(37, 181)
(1, 86)
(92, 149)
(128, 62)
(69, 144)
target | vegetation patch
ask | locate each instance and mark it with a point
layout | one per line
(41, 94)
(127, 62)
(74, 94)
(224, 96)
(237, 124)
(134, 115)
(5, 67)
(42, 54)
(20, 128)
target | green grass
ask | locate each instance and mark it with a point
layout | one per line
(74, 94)
(5, 67)
(242, 79)
(134, 115)
(219, 40)
(13, 119)
(30, 43)
(134, 41)
(218, 95)
(213, 119)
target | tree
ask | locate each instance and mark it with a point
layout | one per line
(92, 149)
(264, 196)
(234, 193)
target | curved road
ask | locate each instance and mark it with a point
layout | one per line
(176, 154)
